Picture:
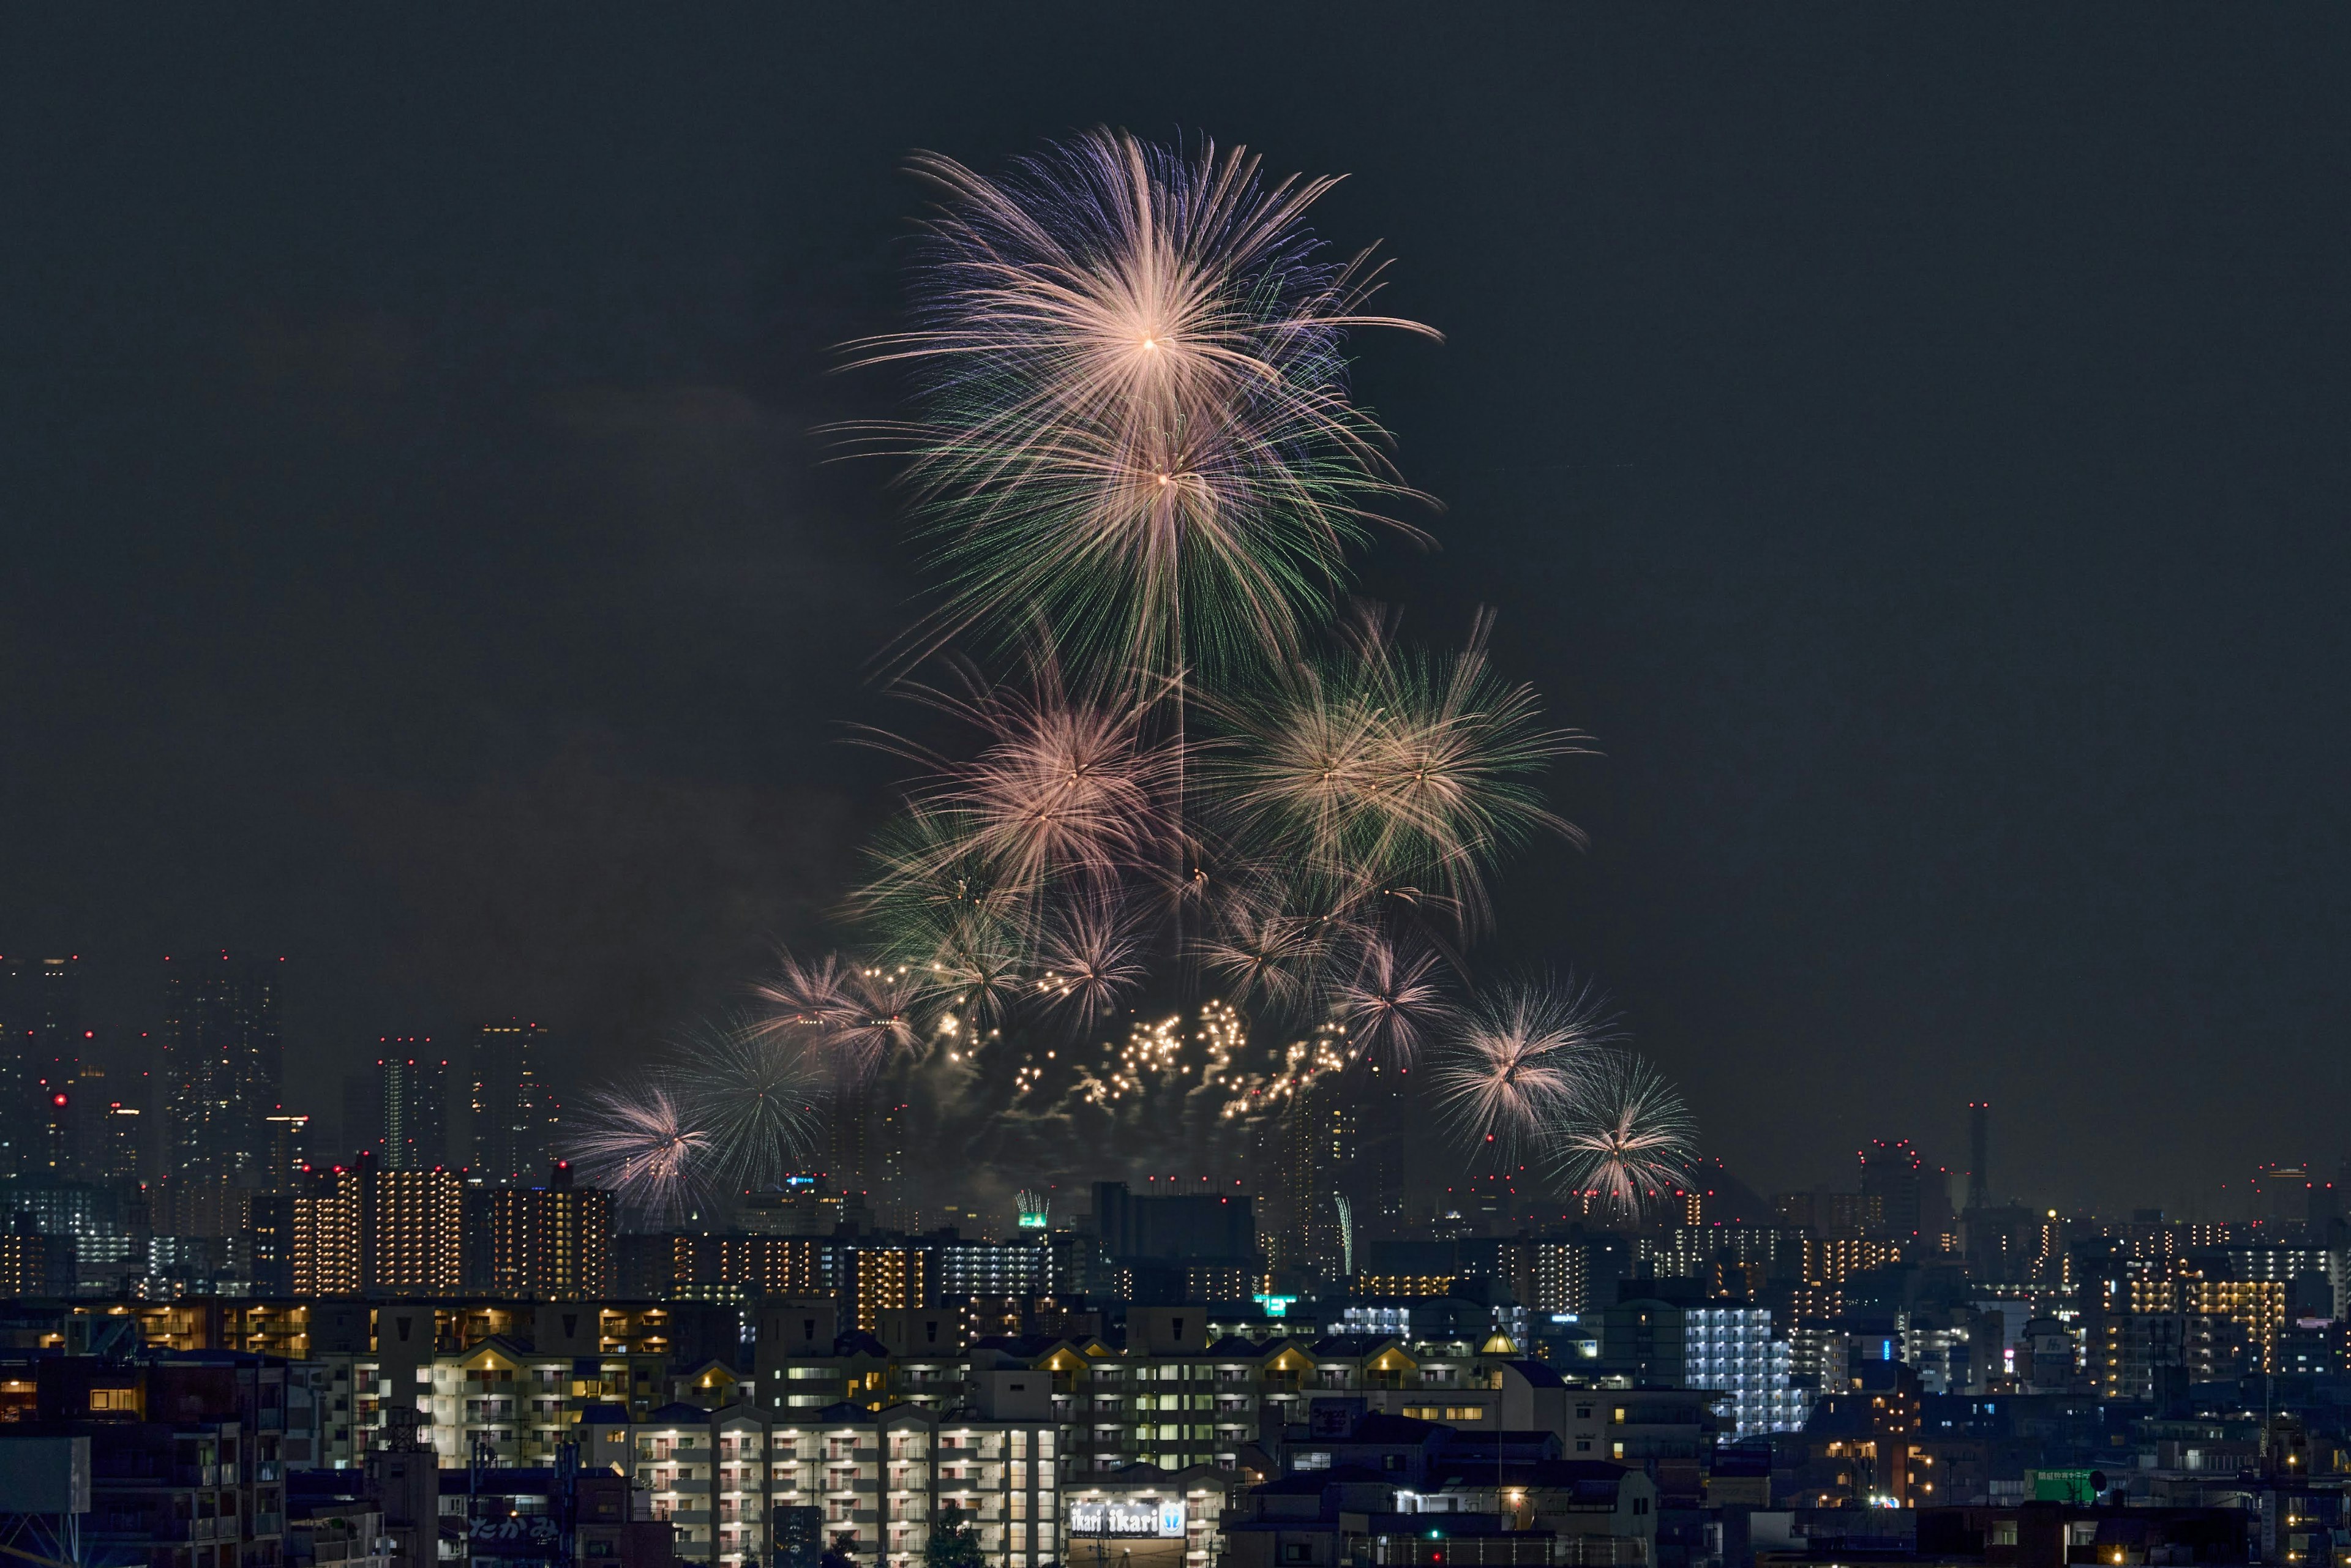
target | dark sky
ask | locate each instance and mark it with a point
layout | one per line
(1913, 441)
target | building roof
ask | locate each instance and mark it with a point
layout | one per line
(1352, 1345)
(677, 1414)
(1539, 1374)
(842, 1411)
(1021, 1347)
(1310, 1484)
(1380, 1427)
(605, 1414)
(1586, 1481)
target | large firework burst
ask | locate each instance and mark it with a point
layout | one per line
(749, 1094)
(1136, 425)
(1136, 461)
(1066, 786)
(1385, 770)
(859, 1014)
(1628, 1140)
(637, 1140)
(1394, 1000)
(1515, 1069)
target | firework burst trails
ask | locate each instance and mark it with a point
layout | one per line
(856, 1014)
(637, 1140)
(1065, 786)
(1387, 773)
(1135, 420)
(1395, 1000)
(1094, 954)
(1519, 1063)
(750, 1093)
(1628, 1139)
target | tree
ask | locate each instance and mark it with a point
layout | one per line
(954, 1544)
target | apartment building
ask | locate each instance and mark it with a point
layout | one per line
(740, 1481)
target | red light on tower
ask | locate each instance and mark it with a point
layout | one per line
(56, 1099)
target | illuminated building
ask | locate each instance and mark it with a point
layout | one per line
(222, 1068)
(1021, 1268)
(370, 1229)
(870, 1485)
(884, 1275)
(414, 1231)
(326, 1254)
(690, 1265)
(1402, 1285)
(514, 1111)
(550, 1242)
(1728, 1349)
(413, 1084)
(1833, 1261)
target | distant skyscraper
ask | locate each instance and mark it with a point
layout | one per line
(55, 1018)
(849, 1135)
(1893, 1188)
(1386, 1128)
(224, 1068)
(362, 1128)
(41, 1036)
(513, 1110)
(289, 1148)
(118, 1160)
(1978, 1154)
(1317, 1142)
(415, 1105)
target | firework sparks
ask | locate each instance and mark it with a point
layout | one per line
(1518, 1064)
(1393, 1000)
(639, 1142)
(1064, 786)
(1384, 767)
(859, 1013)
(1629, 1139)
(750, 1092)
(1137, 426)
(1092, 957)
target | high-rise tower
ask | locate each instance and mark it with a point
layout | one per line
(41, 1038)
(415, 1106)
(1978, 1154)
(223, 1066)
(513, 1110)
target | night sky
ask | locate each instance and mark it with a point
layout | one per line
(1914, 442)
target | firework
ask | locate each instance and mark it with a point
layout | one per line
(749, 1093)
(1261, 948)
(1386, 772)
(857, 1013)
(639, 1142)
(1093, 954)
(1065, 786)
(1135, 423)
(1394, 998)
(1628, 1139)
(1518, 1062)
